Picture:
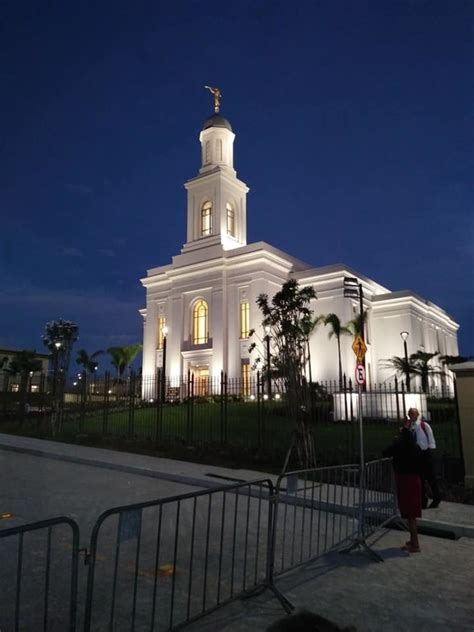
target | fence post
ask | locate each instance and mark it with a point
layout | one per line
(259, 413)
(226, 382)
(222, 408)
(344, 386)
(131, 404)
(188, 407)
(83, 402)
(403, 401)
(396, 399)
(106, 402)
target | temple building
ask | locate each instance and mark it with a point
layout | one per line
(204, 300)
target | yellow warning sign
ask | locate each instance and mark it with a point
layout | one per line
(359, 347)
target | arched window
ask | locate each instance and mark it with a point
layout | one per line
(207, 152)
(200, 323)
(219, 149)
(230, 220)
(206, 219)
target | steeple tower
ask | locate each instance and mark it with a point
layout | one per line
(217, 199)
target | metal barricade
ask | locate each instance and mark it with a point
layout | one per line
(38, 576)
(380, 499)
(318, 510)
(161, 564)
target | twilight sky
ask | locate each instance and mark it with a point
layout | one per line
(354, 133)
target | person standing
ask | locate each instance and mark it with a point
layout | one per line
(407, 465)
(425, 439)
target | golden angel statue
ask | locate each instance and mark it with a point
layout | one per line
(216, 93)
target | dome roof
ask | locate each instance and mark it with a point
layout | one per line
(217, 121)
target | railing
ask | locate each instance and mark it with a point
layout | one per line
(38, 576)
(162, 564)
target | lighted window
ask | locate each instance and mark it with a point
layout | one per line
(244, 319)
(219, 149)
(246, 380)
(159, 334)
(206, 219)
(14, 388)
(200, 323)
(35, 388)
(207, 153)
(230, 220)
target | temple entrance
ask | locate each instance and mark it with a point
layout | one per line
(201, 381)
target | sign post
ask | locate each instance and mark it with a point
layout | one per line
(359, 347)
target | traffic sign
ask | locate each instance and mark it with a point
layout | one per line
(360, 374)
(359, 347)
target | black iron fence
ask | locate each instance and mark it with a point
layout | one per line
(162, 564)
(238, 414)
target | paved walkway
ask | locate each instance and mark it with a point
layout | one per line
(430, 591)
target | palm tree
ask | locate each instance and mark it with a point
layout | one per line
(355, 325)
(337, 330)
(417, 365)
(402, 367)
(88, 361)
(25, 364)
(122, 357)
(308, 326)
(446, 360)
(421, 360)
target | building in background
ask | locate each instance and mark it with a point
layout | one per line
(11, 382)
(205, 299)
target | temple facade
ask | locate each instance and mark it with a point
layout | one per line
(204, 300)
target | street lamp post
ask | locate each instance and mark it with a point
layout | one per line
(164, 330)
(404, 336)
(269, 376)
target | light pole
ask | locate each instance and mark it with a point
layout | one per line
(164, 330)
(269, 376)
(404, 336)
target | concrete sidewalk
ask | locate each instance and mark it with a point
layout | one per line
(430, 591)
(453, 518)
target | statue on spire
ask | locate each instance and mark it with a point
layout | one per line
(216, 93)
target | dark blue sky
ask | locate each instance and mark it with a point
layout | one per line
(353, 132)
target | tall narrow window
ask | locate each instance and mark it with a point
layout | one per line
(159, 334)
(244, 319)
(207, 152)
(219, 150)
(230, 220)
(206, 219)
(245, 380)
(200, 323)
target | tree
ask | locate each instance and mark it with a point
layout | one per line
(354, 326)
(122, 357)
(288, 315)
(88, 361)
(24, 364)
(421, 362)
(59, 337)
(447, 360)
(308, 327)
(337, 330)
(418, 365)
(400, 366)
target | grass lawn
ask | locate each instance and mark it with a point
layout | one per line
(245, 428)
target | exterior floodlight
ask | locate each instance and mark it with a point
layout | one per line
(57, 345)
(252, 397)
(277, 396)
(265, 397)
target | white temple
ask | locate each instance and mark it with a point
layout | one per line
(205, 299)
